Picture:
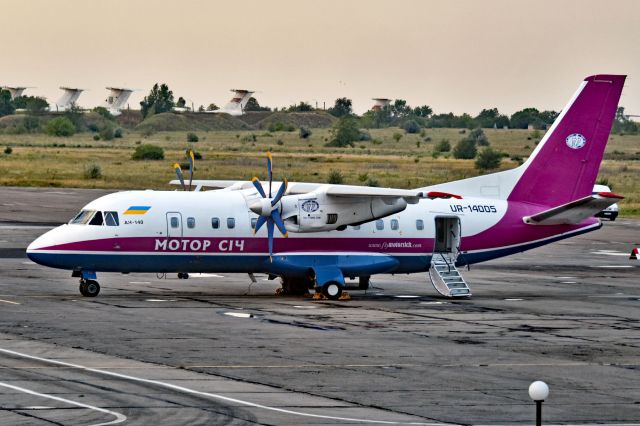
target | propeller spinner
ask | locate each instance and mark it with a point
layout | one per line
(268, 209)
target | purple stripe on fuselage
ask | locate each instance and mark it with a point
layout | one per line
(248, 245)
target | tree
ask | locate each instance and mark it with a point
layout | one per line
(478, 136)
(488, 159)
(102, 111)
(6, 104)
(487, 118)
(181, 102)
(253, 105)
(213, 107)
(400, 109)
(341, 107)
(301, 107)
(525, 117)
(465, 149)
(33, 104)
(423, 111)
(622, 124)
(160, 99)
(60, 126)
(345, 132)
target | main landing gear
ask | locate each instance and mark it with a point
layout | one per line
(89, 288)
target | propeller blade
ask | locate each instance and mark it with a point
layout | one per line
(261, 220)
(258, 185)
(180, 176)
(281, 191)
(277, 219)
(191, 162)
(269, 167)
(270, 236)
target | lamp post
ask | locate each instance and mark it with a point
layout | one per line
(538, 391)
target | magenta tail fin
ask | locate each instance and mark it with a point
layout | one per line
(565, 164)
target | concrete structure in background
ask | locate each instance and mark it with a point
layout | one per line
(117, 99)
(68, 99)
(380, 103)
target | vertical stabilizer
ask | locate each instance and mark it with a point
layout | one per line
(237, 103)
(117, 99)
(565, 164)
(68, 99)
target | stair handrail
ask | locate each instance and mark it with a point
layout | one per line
(445, 261)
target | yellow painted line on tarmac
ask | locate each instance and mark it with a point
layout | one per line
(9, 302)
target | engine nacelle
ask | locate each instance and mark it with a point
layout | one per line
(317, 211)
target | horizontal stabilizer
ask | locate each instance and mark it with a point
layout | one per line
(575, 211)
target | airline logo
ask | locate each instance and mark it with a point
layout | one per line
(576, 141)
(137, 210)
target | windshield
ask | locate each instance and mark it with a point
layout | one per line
(96, 218)
(82, 218)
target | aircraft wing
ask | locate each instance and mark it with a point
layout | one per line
(296, 188)
(575, 211)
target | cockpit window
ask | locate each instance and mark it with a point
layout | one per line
(111, 219)
(97, 219)
(83, 217)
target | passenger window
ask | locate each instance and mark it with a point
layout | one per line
(174, 222)
(394, 224)
(191, 222)
(111, 218)
(82, 218)
(97, 219)
(379, 224)
(355, 227)
(254, 220)
(419, 224)
(231, 222)
(215, 223)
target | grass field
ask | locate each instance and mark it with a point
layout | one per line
(39, 160)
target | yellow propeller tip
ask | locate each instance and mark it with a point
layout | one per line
(286, 235)
(255, 178)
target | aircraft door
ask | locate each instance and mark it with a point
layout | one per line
(448, 236)
(174, 225)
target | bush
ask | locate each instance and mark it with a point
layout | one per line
(148, 152)
(465, 149)
(488, 159)
(107, 133)
(92, 171)
(397, 137)
(335, 177)
(411, 126)
(192, 137)
(96, 137)
(60, 126)
(345, 132)
(8, 150)
(372, 182)
(103, 112)
(443, 146)
(364, 136)
(478, 136)
(281, 127)
(118, 133)
(304, 132)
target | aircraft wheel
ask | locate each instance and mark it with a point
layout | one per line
(332, 290)
(89, 288)
(183, 275)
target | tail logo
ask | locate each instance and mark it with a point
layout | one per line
(576, 141)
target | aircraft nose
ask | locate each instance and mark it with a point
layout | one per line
(44, 240)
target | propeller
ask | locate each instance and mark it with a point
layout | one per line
(192, 160)
(268, 208)
(178, 170)
(176, 167)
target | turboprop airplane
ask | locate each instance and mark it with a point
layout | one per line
(329, 232)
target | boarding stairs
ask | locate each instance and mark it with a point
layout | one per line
(446, 278)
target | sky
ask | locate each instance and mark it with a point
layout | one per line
(454, 55)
